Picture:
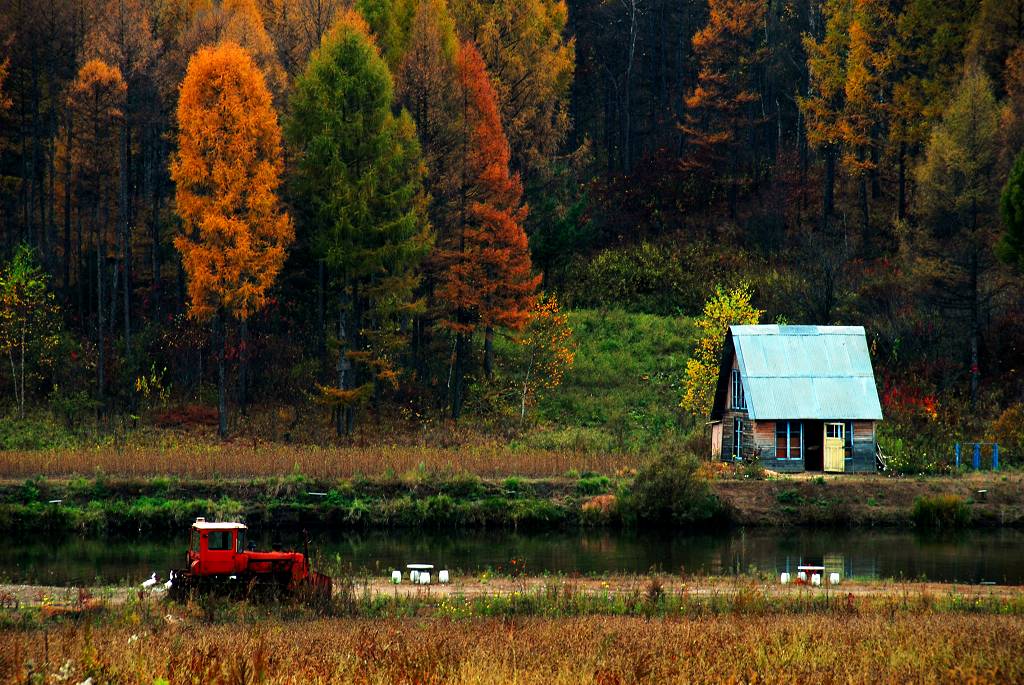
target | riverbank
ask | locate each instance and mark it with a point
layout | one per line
(422, 499)
(551, 630)
(615, 593)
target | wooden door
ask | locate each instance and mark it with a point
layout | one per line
(835, 447)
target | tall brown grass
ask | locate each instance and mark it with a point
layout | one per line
(243, 460)
(853, 648)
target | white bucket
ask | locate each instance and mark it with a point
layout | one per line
(833, 579)
(414, 576)
(396, 577)
(816, 579)
(802, 576)
(424, 578)
(784, 578)
(442, 577)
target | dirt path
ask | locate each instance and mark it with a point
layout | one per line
(37, 595)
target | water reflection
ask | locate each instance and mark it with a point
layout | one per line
(973, 556)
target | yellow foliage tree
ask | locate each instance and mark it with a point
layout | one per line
(726, 308)
(547, 341)
(227, 171)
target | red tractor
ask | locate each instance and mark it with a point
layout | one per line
(219, 562)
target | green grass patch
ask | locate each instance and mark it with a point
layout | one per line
(623, 391)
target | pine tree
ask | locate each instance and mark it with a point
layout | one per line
(823, 106)
(719, 116)
(360, 179)
(227, 172)
(924, 59)
(426, 82)
(957, 206)
(865, 96)
(483, 261)
(391, 24)
(1011, 209)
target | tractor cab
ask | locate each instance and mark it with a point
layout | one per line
(216, 548)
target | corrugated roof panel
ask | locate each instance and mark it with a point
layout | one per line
(806, 372)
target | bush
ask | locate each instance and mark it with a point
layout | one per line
(669, 490)
(909, 457)
(34, 432)
(593, 485)
(937, 512)
(1008, 431)
(653, 278)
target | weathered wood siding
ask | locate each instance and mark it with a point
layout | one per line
(728, 419)
(863, 459)
(764, 433)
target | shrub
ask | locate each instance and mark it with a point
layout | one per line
(35, 432)
(1008, 431)
(669, 490)
(903, 456)
(938, 512)
(593, 485)
(658, 278)
(789, 497)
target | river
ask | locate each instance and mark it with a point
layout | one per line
(971, 556)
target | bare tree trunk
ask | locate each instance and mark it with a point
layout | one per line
(126, 247)
(489, 352)
(243, 368)
(222, 403)
(828, 204)
(99, 318)
(457, 382)
(67, 208)
(901, 189)
(526, 386)
(343, 368)
(975, 333)
(21, 404)
(14, 374)
(321, 309)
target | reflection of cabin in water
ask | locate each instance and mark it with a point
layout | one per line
(800, 398)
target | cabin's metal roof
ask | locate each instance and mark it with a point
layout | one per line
(806, 372)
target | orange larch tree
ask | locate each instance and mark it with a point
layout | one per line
(484, 274)
(719, 110)
(866, 93)
(227, 171)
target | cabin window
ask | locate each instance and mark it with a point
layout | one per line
(739, 400)
(849, 440)
(219, 540)
(789, 440)
(240, 541)
(737, 438)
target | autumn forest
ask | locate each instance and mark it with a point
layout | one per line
(393, 208)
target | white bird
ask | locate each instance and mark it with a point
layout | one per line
(149, 582)
(170, 581)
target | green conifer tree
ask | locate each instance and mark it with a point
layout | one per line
(359, 182)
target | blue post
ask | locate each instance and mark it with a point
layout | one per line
(956, 450)
(977, 456)
(995, 456)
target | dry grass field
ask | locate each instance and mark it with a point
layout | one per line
(831, 648)
(248, 460)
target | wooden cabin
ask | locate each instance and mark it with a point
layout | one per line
(799, 398)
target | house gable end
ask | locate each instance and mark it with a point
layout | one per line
(724, 378)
